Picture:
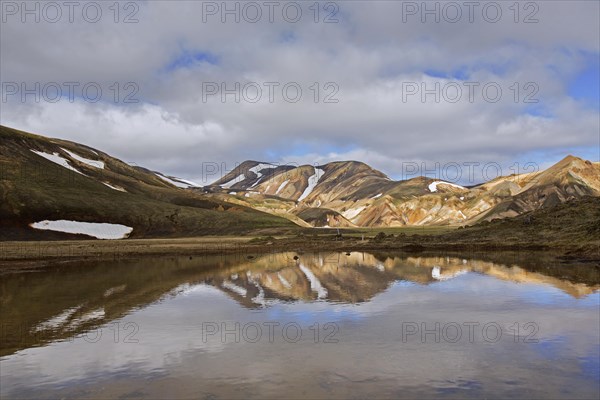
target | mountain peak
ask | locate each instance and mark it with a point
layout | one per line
(570, 158)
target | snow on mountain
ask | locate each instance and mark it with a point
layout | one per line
(91, 163)
(346, 190)
(312, 183)
(233, 181)
(433, 186)
(97, 230)
(117, 188)
(180, 183)
(256, 170)
(282, 186)
(315, 284)
(353, 212)
(55, 158)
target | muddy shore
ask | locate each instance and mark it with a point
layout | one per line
(29, 255)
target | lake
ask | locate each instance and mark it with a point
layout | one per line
(288, 325)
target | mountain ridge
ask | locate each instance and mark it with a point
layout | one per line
(52, 179)
(363, 196)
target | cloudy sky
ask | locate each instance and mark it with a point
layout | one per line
(185, 84)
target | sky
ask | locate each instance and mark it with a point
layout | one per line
(183, 86)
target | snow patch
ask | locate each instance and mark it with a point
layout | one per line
(120, 189)
(284, 281)
(90, 316)
(258, 168)
(353, 212)
(284, 184)
(180, 183)
(315, 284)
(235, 288)
(312, 183)
(55, 158)
(97, 230)
(433, 185)
(91, 163)
(232, 182)
(260, 297)
(436, 273)
(57, 321)
(377, 196)
(192, 184)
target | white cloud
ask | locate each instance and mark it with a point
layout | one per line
(369, 55)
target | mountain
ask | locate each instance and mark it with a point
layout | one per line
(56, 189)
(568, 179)
(44, 179)
(352, 194)
(572, 227)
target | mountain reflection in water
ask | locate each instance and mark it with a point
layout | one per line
(360, 299)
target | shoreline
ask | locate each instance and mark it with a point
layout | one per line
(40, 254)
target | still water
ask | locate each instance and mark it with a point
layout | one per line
(323, 325)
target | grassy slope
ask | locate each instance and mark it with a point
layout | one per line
(574, 225)
(33, 189)
(571, 229)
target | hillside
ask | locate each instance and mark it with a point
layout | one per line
(54, 184)
(569, 231)
(573, 225)
(352, 194)
(51, 179)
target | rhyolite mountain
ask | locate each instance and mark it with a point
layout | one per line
(52, 179)
(352, 194)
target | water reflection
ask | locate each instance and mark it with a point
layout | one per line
(360, 317)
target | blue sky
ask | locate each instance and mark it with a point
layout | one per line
(585, 86)
(189, 58)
